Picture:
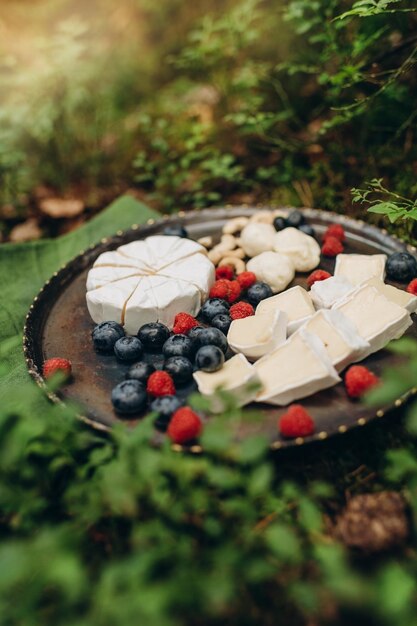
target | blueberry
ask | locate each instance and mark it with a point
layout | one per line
(165, 406)
(179, 345)
(105, 336)
(295, 219)
(176, 230)
(209, 359)
(280, 223)
(140, 371)
(180, 368)
(307, 229)
(213, 307)
(258, 292)
(128, 348)
(213, 337)
(401, 266)
(194, 332)
(222, 322)
(129, 397)
(153, 335)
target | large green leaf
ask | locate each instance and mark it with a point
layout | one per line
(24, 268)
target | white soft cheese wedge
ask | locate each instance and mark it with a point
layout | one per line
(257, 335)
(303, 250)
(277, 270)
(149, 280)
(295, 302)
(325, 293)
(399, 296)
(357, 268)
(376, 319)
(339, 336)
(237, 377)
(296, 369)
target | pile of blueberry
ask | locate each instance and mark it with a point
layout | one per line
(295, 219)
(203, 348)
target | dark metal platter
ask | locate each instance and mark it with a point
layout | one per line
(58, 324)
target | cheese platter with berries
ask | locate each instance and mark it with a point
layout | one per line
(285, 311)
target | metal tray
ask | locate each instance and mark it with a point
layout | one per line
(58, 324)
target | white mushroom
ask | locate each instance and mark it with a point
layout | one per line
(277, 270)
(303, 250)
(257, 238)
(235, 225)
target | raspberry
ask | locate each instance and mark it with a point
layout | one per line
(185, 425)
(234, 291)
(51, 366)
(183, 322)
(228, 290)
(220, 289)
(331, 246)
(225, 271)
(160, 384)
(246, 279)
(335, 230)
(412, 287)
(296, 422)
(240, 310)
(316, 276)
(358, 379)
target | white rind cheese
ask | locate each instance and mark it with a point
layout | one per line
(295, 302)
(297, 369)
(256, 238)
(325, 293)
(376, 319)
(339, 337)
(399, 296)
(237, 377)
(357, 268)
(303, 250)
(149, 280)
(257, 335)
(277, 270)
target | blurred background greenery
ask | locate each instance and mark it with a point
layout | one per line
(192, 104)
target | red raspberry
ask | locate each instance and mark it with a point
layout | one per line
(160, 384)
(412, 287)
(183, 322)
(358, 379)
(241, 310)
(220, 289)
(246, 279)
(335, 230)
(51, 366)
(296, 422)
(234, 291)
(316, 276)
(331, 247)
(185, 425)
(225, 271)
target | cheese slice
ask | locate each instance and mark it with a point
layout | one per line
(296, 369)
(237, 377)
(325, 293)
(295, 302)
(339, 337)
(357, 268)
(149, 280)
(303, 250)
(256, 335)
(399, 296)
(376, 319)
